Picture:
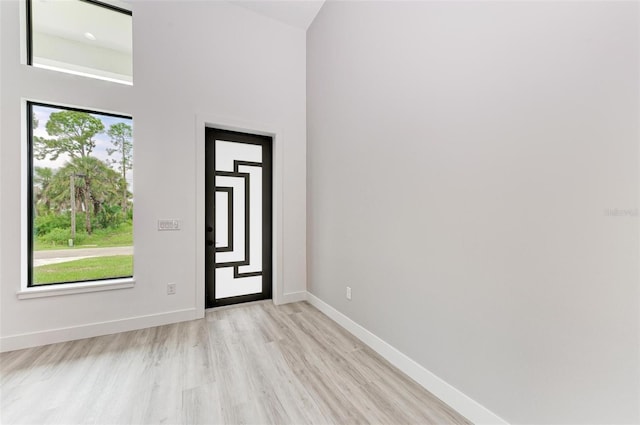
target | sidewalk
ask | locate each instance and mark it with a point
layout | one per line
(42, 258)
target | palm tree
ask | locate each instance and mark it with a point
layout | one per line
(42, 177)
(58, 189)
(95, 184)
(105, 184)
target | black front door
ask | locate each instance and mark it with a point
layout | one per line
(238, 217)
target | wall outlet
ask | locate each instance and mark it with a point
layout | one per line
(348, 292)
(171, 288)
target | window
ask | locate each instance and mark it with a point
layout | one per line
(80, 166)
(83, 37)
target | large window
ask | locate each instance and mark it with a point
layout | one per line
(81, 195)
(84, 37)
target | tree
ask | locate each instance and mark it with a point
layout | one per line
(42, 177)
(99, 186)
(58, 190)
(104, 183)
(74, 132)
(121, 134)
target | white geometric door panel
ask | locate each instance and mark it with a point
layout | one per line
(238, 190)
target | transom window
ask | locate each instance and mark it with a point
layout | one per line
(83, 37)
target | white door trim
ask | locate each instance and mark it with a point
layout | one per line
(204, 120)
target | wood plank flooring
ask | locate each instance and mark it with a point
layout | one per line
(250, 364)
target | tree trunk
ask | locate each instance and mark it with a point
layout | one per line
(124, 183)
(87, 204)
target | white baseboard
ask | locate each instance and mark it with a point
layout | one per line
(467, 407)
(293, 297)
(52, 336)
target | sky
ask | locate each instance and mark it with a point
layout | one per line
(102, 140)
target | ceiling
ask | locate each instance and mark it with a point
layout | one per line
(297, 13)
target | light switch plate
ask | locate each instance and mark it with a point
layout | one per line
(172, 224)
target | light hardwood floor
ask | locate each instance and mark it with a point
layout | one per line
(254, 363)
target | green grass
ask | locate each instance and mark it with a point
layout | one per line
(100, 238)
(123, 236)
(85, 269)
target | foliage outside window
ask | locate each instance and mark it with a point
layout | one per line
(81, 209)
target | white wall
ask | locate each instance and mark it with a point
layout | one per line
(461, 156)
(70, 54)
(191, 60)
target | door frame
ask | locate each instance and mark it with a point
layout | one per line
(204, 120)
(266, 144)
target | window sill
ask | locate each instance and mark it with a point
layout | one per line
(75, 288)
